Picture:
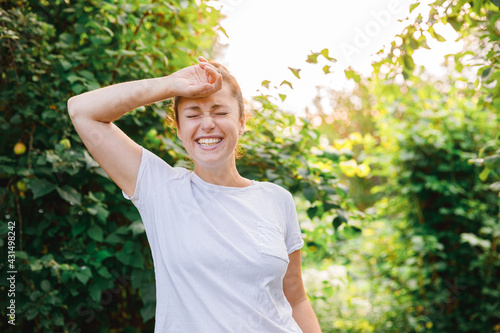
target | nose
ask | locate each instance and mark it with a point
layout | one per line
(207, 123)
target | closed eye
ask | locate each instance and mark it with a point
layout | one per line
(221, 113)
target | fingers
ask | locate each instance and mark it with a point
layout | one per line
(211, 72)
(213, 78)
(210, 88)
(218, 82)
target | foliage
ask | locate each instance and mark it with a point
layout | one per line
(429, 260)
(478, 26)
(437, 259)
(449, 217)
(448, 207)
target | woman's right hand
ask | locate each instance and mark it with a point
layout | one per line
(196, 81)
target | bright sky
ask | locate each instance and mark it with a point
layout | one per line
(268, 36)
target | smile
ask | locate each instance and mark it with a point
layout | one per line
(209, 142)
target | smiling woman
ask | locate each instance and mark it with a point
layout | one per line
(226, 249)
(209, 128)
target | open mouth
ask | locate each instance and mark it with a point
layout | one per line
(209, 142)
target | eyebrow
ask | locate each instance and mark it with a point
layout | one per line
(197, 108)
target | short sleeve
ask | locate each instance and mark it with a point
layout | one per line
(152, 167)
(293, 237)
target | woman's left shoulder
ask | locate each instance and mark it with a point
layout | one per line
(276, 191)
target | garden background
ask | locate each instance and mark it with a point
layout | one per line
(397, 184)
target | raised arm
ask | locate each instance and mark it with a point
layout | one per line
(92, 114)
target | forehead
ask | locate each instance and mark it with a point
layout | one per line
(223, 97)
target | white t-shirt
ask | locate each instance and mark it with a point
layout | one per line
(220, 253)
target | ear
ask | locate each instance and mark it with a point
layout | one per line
(178, 131)
(242, 125)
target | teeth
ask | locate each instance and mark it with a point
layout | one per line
(209, 142)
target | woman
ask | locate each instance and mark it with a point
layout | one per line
(226, 249)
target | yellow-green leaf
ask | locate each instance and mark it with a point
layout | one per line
(295, 71)
(286, 82)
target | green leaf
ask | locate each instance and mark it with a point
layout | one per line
(326, 69)
(83, 275)
(474, 240)
(286, 82)
(95, 232)
(495, 186)
(72, 78)
(328, 290)
(408, 62)
(31, 313)
(78, 228)
(148, 311)
(351, 74)
(351, 232)
(128, 53)
(283, 97)
(128, 247)
(223, 31)
(329, 205)
(21, 255)
(340, 218)
(69, 194)
(439, 37)
(45, 285)
(65, 64)
(87, 74)
(77, 88)
(102, 214)
(295, 72)
(484, 174)
(492, 161)
(486, 72)
(265, 83)
(113, 239)
(137, 228)
(40, 187)
(325, 53)
(312, 211)
(5, 169)
(423, 43)
(310, 193)
(101, 255)
(137, 260)
(95, 292)
(312, 58)
(124, 258)
(413, 6)
(104, 272)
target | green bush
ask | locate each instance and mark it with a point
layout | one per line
(448, 215)
(429, 261)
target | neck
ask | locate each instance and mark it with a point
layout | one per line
(228, 176)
